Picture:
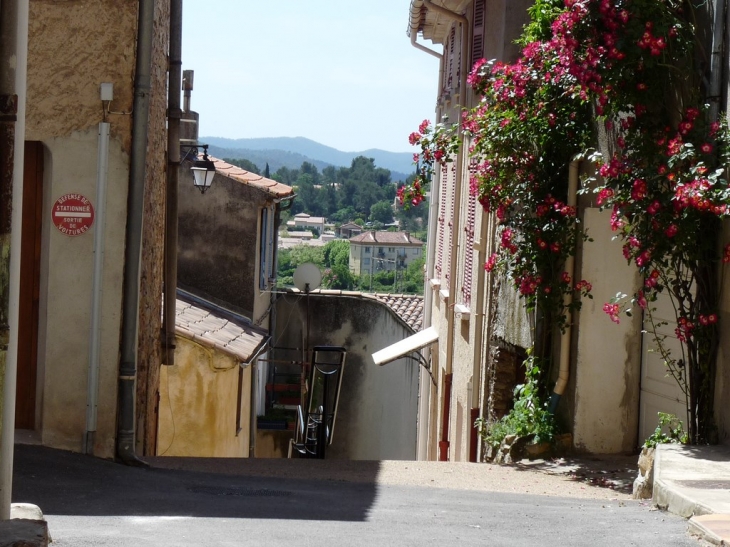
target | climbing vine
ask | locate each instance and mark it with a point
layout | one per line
(623, 73)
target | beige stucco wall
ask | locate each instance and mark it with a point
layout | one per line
(74, 47)
(199, 404)
(66, 279)
(608, 356)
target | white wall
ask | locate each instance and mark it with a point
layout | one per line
(608, 356)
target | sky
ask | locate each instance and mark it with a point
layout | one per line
(340, 72)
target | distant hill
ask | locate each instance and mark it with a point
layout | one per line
(292, 151)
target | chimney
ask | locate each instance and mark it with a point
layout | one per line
(408, 237)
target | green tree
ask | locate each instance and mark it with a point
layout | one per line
(243, 164)
(337, 253)
(381, 211)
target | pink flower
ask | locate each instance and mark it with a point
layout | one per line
(706, 148)
(612, 310)
(423, 127)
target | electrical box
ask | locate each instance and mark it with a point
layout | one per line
(107, 92)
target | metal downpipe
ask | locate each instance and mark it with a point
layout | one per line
(173, 169)
(132, 252)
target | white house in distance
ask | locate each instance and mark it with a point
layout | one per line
(303, 220)
(372, 251)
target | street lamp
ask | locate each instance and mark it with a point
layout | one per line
(203, 169)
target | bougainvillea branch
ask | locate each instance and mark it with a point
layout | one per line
(624, 71)
(438, 143)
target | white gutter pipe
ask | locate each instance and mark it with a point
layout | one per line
(413, 32)
(14, 43)
(565, 339)
(92, 389)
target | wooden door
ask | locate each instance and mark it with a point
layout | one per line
(30, 258)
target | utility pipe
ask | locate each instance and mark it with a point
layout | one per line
(92, 389)
(133, 249)
(173, 168)
(13, 78)
(413, 33)
(717, 71)
(565, 339)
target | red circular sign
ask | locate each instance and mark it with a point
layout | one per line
(73, 214)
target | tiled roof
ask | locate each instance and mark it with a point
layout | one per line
(251, 179)
(387, 238)
(217, 328)
(409, 307)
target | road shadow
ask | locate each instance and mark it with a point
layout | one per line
(615, 472)
(66, 483)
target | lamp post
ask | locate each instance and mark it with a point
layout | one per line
(203, 169)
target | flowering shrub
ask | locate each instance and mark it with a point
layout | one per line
(629, 66)
(439, 143)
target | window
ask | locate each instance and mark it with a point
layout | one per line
(266, 249)
(366, 262)
(391, 249)
(367, 250)
(478, 21)
(380, 250)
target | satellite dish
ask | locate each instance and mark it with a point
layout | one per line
(307, 277)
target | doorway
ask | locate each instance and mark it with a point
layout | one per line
(30, 261)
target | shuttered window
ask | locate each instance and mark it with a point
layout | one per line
(450, 224)
(441, 222)
(452, 40)
(479, 25)
(469, 226)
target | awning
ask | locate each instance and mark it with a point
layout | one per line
(412, 343)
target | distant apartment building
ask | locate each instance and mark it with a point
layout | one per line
(303, 220)
(372, 252)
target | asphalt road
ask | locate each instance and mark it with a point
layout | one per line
(93, 502)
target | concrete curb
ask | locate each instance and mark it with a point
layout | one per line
(667, 497)
(714, 529)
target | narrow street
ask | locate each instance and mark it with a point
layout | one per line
(89, 501)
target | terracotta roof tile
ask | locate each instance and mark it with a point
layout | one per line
(387, 238)
(234, 337)
(251, 179)
(408, 307)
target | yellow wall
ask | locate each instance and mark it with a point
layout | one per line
(198, 404)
